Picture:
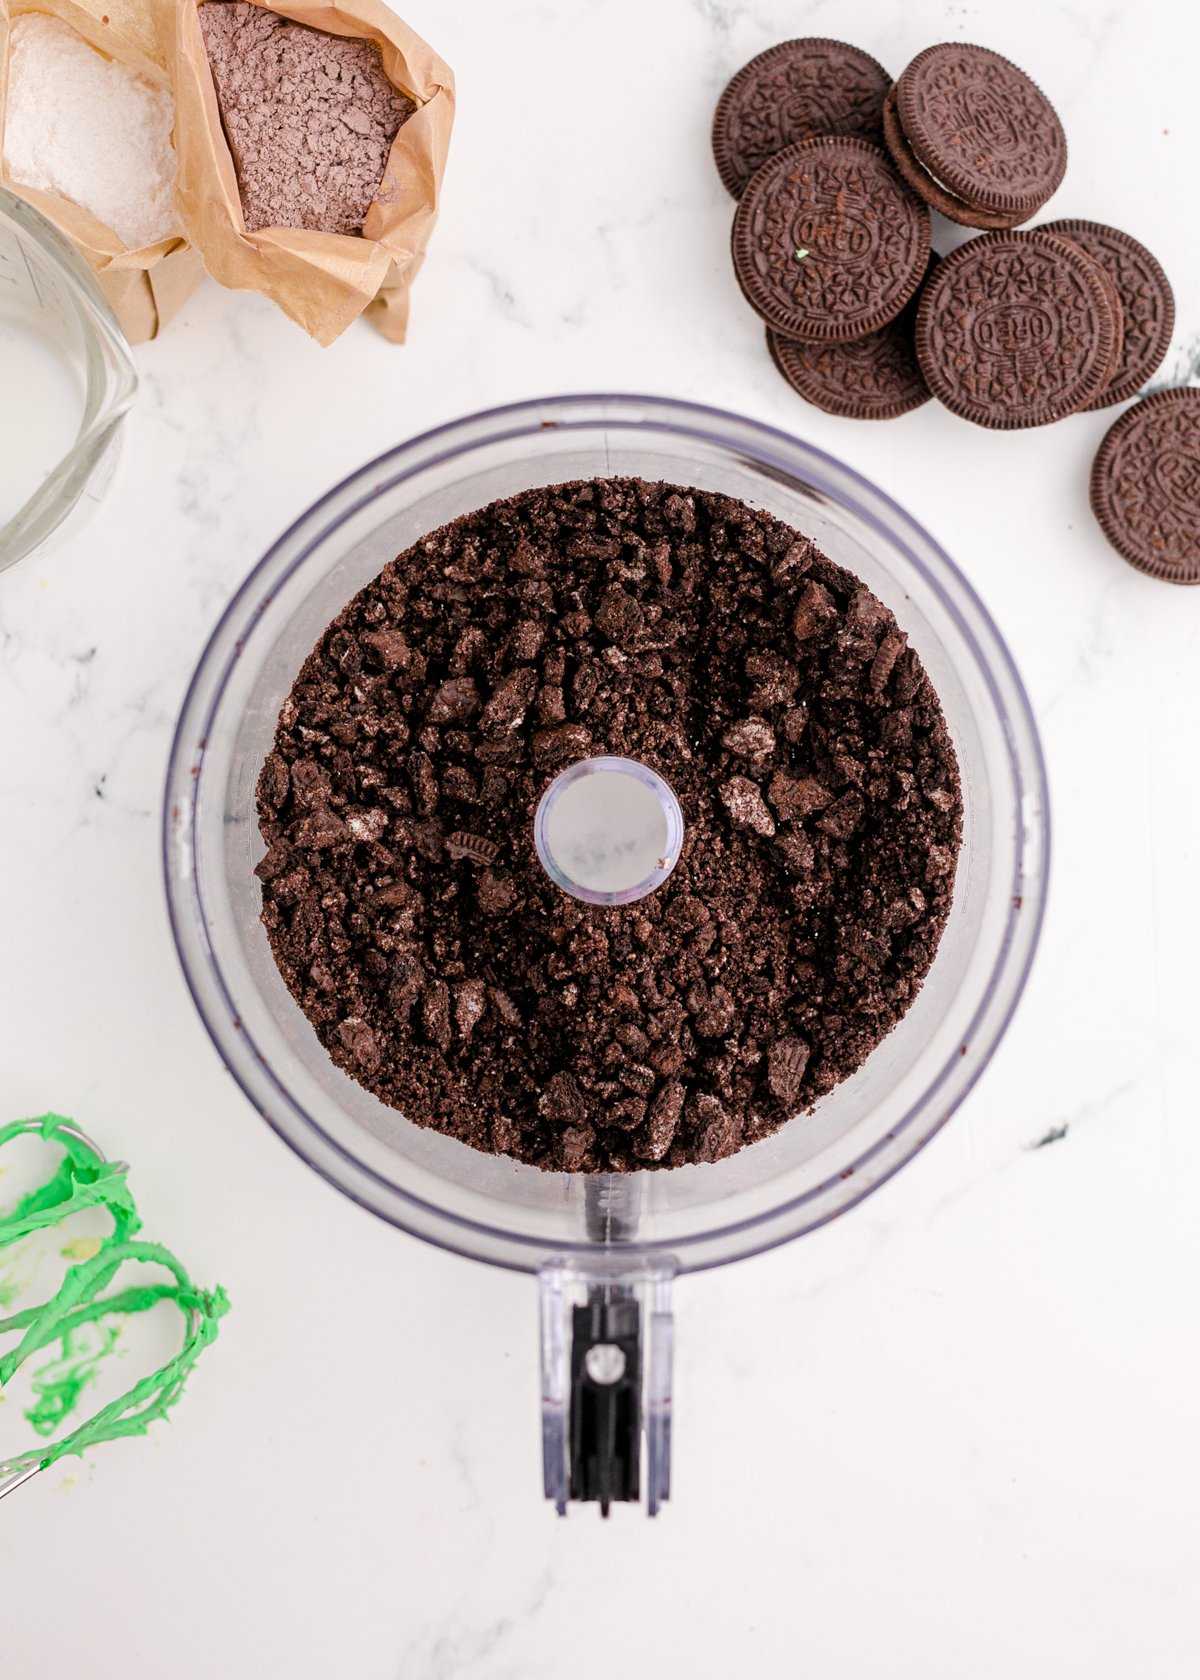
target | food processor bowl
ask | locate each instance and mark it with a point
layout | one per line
(599, 1241)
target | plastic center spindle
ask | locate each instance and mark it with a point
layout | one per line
(608, 830)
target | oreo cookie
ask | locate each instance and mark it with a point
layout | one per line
(924, 185)
(797, 91)
(1146, 485)
(987, 141)
(1147, 303)
(828, 241)
(873, 378)
(1114, 303)
(1016, 329)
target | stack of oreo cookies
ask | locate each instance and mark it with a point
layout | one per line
(974, 136)
(836, 170)
(830, 243)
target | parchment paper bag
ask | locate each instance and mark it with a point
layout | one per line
(144, 288)
(322, 280)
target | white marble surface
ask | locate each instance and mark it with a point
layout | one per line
(953, 1434)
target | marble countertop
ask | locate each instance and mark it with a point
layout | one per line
(952, 1434)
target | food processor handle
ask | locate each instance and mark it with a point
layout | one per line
(606, 1335)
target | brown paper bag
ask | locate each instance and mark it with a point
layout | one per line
(144, 288)
(322, 280)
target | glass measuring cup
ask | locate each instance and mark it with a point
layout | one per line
(67, 379)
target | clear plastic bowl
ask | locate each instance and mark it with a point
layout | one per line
(492, 1208)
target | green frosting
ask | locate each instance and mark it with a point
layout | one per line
(83, 1180)
(58, 1385)
(82, 1319)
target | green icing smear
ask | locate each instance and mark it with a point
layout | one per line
(83, 1320)
(83, 1180)
(59, 1384)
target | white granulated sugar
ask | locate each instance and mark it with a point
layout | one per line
(89, 129)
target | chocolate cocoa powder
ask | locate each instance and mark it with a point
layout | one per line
(310, 117)
(403, 899)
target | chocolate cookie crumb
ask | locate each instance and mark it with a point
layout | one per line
(402, 896)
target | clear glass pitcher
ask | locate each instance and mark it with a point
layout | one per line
(604, 1247)
(67, 379)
